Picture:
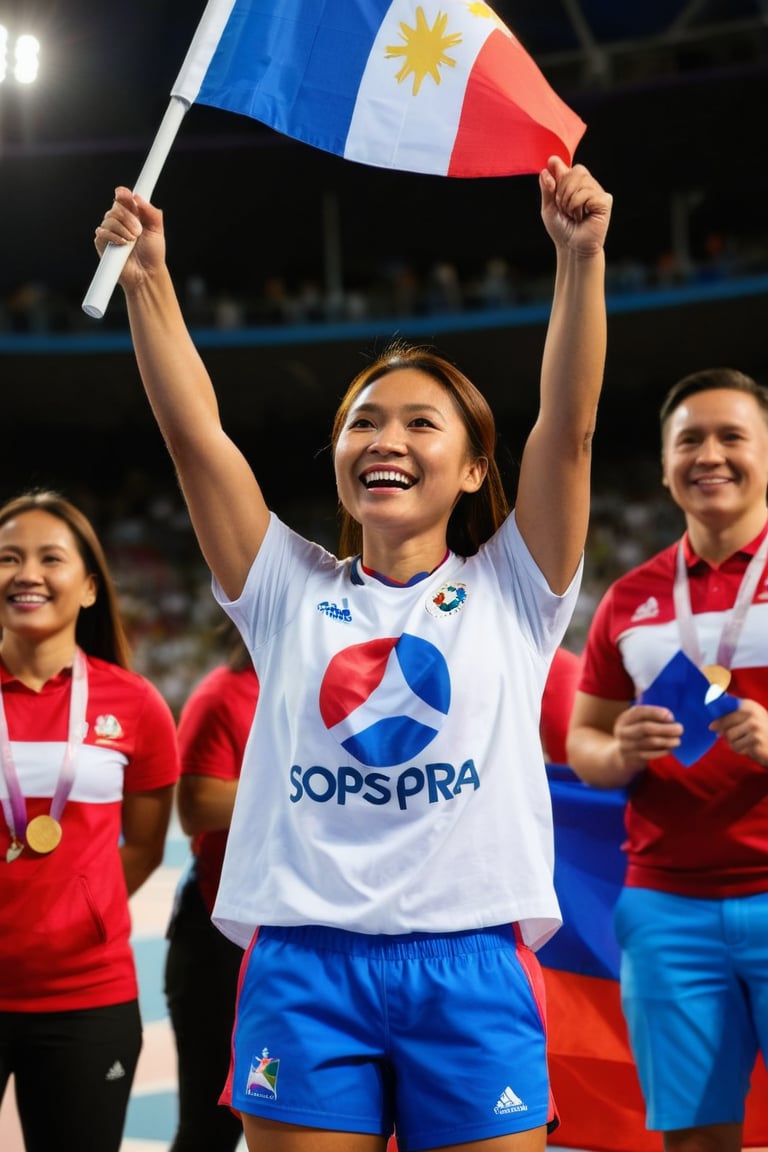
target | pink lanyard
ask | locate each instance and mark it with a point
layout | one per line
(729, 637)
(14, 804)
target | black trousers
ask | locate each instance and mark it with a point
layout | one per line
(73, 1074)
(201, 973)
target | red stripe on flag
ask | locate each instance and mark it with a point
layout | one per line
(592, 1073)
(512, 121)
(593, 1076)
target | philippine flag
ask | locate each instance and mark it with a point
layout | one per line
(593, 1076)
(432, 86)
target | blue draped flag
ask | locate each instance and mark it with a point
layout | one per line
(432, 86)
(594, 1080)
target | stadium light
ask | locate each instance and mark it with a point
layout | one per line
(19, 57)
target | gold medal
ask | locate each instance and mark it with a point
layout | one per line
(43, 834)
(15, 849)
(717, 674)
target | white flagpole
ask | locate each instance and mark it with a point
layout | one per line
(115, 255)
(183, 95)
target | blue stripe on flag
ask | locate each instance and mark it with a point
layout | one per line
(280, 61)
(589, 875)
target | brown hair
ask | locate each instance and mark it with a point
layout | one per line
(236, 655)
(99, 631)
(707, 380)
(477, 515)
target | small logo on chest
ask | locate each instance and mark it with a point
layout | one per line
(449, 599)
(333, 612)
(108, 728)
(646, 611)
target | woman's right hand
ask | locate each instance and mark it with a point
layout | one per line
(133, 220)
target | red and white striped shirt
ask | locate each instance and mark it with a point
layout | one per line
(699, 831)
(64, 917)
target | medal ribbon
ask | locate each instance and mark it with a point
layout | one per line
(14, 805)
(729, 637)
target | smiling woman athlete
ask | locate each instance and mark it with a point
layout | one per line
(88, 761)
(392, 831)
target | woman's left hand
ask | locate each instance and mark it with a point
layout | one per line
(575, 209)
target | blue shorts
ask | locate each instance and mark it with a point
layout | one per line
(441, 1037)
(694, 988)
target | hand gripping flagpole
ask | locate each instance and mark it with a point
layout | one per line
(115, 256)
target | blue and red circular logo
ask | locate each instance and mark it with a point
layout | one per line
(387, 699)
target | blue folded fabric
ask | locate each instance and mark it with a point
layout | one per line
(683, 688)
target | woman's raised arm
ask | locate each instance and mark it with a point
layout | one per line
(225, 503)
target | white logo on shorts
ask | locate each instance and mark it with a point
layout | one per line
(509, 1101)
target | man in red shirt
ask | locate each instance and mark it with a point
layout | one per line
(692, 920)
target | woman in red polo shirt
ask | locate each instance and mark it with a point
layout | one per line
(88, 761)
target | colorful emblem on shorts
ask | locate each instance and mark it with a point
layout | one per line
(448, 599)
(262, 1076)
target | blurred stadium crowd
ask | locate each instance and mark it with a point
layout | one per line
(165, 588)
(397, 290)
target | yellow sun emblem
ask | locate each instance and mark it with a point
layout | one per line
(481, 9)
(424, 50)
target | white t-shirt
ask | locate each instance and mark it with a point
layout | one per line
(394, 780)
